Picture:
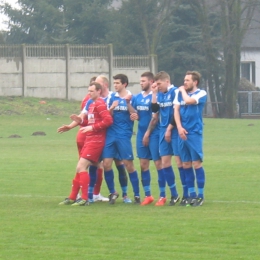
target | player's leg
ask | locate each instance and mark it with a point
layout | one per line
(186, 159)
(97, 196)
(176, 151)
(74, 191)
(82, 165)
(166, 153)
(90, 154)
(197, 157)
(125, 151)
(122, 177)
(109, 152)
(144, 155)
(146, 181)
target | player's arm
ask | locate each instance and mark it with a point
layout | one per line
(113, 106)
(187, 99)
(130, 101)
(150, 128)
(77, 120)
(155, 105)
(107, 119)
(65, 128)
(168, 132)
(182, 132)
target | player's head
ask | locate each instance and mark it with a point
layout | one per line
(103, 81)
(94, 90)
(147, 79)
(120, 82)
(191, 80)
(162, 80)
(92, 79)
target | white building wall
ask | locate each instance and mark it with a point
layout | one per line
(249, 56)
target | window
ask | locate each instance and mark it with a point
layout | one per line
(247, 70)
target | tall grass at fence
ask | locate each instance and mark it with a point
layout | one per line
(36, 173)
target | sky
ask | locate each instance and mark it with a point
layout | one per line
(3, 17)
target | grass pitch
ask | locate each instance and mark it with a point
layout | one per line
(36, 174)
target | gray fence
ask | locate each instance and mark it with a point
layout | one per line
(63, 71)
(249, 102)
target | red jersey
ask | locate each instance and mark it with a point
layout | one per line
(99, 118)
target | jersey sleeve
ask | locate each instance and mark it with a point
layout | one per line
(200, 97)
(107, 119)
(133, 101)
(176, 100)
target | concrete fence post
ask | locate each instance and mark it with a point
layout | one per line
(153, 63)
(24, 84)
(68, 87)
(110, 64)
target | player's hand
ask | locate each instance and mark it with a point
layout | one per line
(134, 116)
(146, 139)
(63, 129)
(114, 104)
(76, 118)
(154, 88)
(182, 133)
(168, 135)
(128, 98)
(182, 88)
(86, 129)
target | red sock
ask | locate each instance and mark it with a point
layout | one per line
(75, 187)
(84, 182)
(98, 181)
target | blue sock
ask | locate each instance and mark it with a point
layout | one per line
(122, 178)
(170, 179)
(190, 182)
(200, 177)
(161, 182)
(183, 182)
(93, 177)
(146, 179)
(109, 177)
(135, 183)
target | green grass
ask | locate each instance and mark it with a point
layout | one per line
(36, 174)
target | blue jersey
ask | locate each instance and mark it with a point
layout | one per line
(142, 104)
(165, 101)
(192, 115)
(122, 124)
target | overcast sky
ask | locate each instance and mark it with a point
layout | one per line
(2, 17)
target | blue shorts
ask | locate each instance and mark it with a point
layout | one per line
(165, 148)
(191, 149)
(171, 148)
(119, 148)
(150, 152)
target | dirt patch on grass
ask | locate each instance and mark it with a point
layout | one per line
(14, 136)
(39, 133)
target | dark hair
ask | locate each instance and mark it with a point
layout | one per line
(148, 75)
(97, 85)
(195, 75)
(123, 78)
(92, 79)
(162, 75)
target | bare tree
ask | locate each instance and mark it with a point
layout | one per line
(235, 18)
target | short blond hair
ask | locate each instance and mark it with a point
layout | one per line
(104, 79)
(162, 75)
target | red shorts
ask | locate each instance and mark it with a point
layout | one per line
(92, 150)
(80, 141)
